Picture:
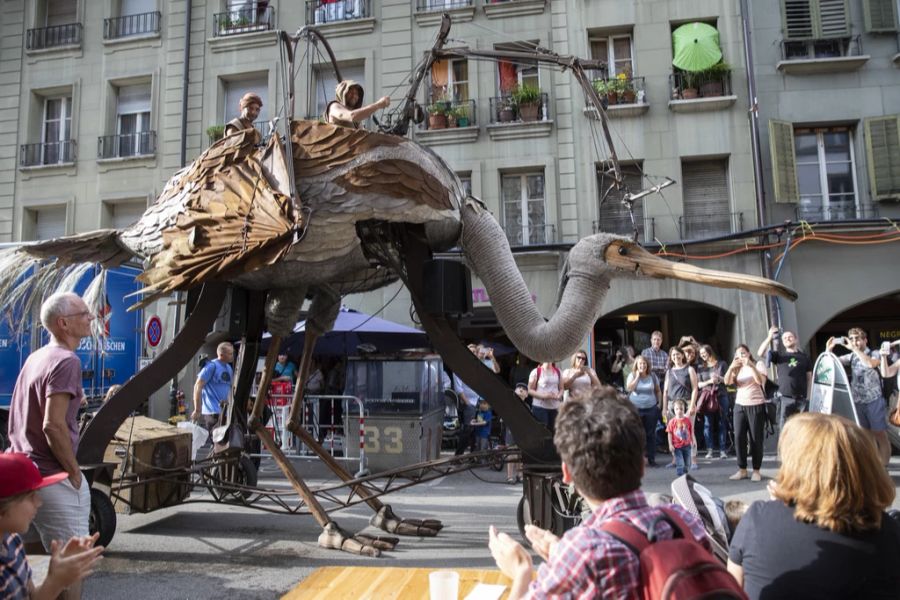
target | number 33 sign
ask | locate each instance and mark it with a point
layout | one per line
(388, 440)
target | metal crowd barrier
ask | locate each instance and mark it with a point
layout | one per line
(328, 433)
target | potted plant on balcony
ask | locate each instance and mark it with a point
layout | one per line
(461, 113)
(215, 133)
(527, 99)
(713, 80)
(606, 89)
(437, 116)
(690, 83)
(625, 89)
(505, 111)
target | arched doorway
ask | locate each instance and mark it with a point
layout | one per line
(633, 324)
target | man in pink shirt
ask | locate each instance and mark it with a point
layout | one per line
(43, 420)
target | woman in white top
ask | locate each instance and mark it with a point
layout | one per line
(546, 390)
(580, 380)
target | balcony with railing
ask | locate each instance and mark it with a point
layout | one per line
(836, 211)
(128, 145)
(700, 92)
(239, 21)
(47, 154)
(697, 227)
(57, 36)
(128, 26)
(323, 12)
(510, 120)
(530, 235)
(623, 225)
(824, 55)
(428, 12)
(449, 122)
(498, 9)
(622, 97)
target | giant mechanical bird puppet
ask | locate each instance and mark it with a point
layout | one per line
(328, 211)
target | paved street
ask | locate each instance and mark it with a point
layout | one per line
(203, 550)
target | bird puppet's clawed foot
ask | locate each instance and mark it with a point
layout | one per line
(386, 520)
(335, 538)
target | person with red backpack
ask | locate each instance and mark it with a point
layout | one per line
(625, 548)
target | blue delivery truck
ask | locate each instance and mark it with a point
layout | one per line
(114, 363)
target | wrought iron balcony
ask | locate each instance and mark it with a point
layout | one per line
(710, 225)
(835, 211)
(49, 153)
(622, 225)
(447, 115)
(440, 5)
(505, 110)
(243, 20)
(689, 86)
(127, 145)
(839, 47)
(131, 25)
(321, 12)
(530, 235)
(615, 90)
(53, 37)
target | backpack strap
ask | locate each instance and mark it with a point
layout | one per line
(677, 523)
(626, 533)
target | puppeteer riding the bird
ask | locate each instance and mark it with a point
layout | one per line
(332, 209)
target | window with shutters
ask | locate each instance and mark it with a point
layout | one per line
(615, 216)
(56, 24)
(43, 223)
(817, 29)
(880, 16)
(524, 210)
(134, 135)
(706, 200)
(123, 213)
(883, 156)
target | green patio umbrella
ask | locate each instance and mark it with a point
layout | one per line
(696, 47)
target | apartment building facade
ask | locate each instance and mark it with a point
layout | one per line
(103, 101)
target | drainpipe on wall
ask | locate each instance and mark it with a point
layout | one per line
(753, 114)
(185, 79)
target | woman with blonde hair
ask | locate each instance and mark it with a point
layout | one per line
(824, 534)
(580, 380)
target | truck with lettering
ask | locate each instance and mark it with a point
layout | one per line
(111, 362)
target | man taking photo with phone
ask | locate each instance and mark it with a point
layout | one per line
(793, 371)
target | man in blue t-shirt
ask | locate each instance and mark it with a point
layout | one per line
(213, 387)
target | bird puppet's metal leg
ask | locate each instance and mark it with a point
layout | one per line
(384, 517)
(332, 535)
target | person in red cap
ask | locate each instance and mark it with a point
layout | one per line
(20, 481)
(43, 421)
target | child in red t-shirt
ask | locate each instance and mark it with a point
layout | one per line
(681, 437)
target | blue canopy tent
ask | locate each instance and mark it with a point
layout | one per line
(353, 330)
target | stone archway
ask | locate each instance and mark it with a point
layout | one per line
(632, 324)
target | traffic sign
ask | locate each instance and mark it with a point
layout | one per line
(154, 331)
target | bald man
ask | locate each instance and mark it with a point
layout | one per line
(213, 387)
(43, 420)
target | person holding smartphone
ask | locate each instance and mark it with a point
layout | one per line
(793, 372)
(865, 383)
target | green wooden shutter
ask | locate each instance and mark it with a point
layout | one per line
(880, 15)
(883, 156)
(815, 19)
(784, 163)
(797, 19)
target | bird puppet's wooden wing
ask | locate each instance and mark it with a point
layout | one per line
(235, 219)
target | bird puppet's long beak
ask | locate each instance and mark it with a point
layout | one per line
(629, 256)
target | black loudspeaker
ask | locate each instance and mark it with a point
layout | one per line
(232, 315)
(448, 287)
